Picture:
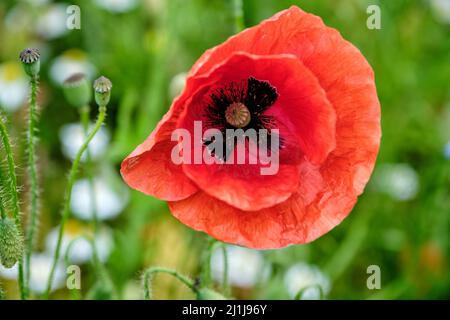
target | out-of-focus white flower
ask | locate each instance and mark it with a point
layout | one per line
(246, 267)
(8, 273)
(117, 5)
(447, 150)
(18, 19)
(78, 237)
(441, 9)
(38, 2)
(52, 23)
(400, 181)
(309, 278)
(104, 243)
(41, 264)
(109, 200)
(72, 137)
(177, 84)
(133, 291)
(13, 86)
(70, 62)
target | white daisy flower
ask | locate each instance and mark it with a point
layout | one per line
(246, 267)
(72, 137)
(77, 236)
(70, 62)
(441, 9)
(309, 278)
(177, 84)
(52, 23)
(13, 86)
(18, 19)
(400, 181)
(109, 202)
(117, 6)
(41, 264)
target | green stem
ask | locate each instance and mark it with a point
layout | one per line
(14, 196)
(84, 119)
(238, 14)
(68, 194)
(206, 269)
(32, 171)
(2, 199)
(74, 293)
(99, 268)
(149, 274)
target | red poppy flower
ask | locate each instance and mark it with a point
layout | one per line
(293, 73)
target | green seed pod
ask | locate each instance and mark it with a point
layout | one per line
(77, 90)
(102, 88)
(11, 243)
(208, 294)
(30, 58)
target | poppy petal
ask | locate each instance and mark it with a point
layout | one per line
(306, 121)
(149, 169)
(329, 177)
(349, 84)
(279, 226)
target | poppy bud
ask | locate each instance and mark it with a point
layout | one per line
(77, 90)
(30, 58)
(208, 294)
(102, 88)
(11, 243)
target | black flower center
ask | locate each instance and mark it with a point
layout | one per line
(241, 105)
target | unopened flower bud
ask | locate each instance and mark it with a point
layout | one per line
(11, 243)
(102, 88)
(30, 58)
(77, 90)
(208, 294)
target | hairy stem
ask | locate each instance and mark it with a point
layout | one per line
(84, 119)
(32, 171)
(12, 179)
(68, 194)
(2, 199)
(100, 269)
(148, 274)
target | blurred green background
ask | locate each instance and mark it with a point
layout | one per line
(401, 223)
